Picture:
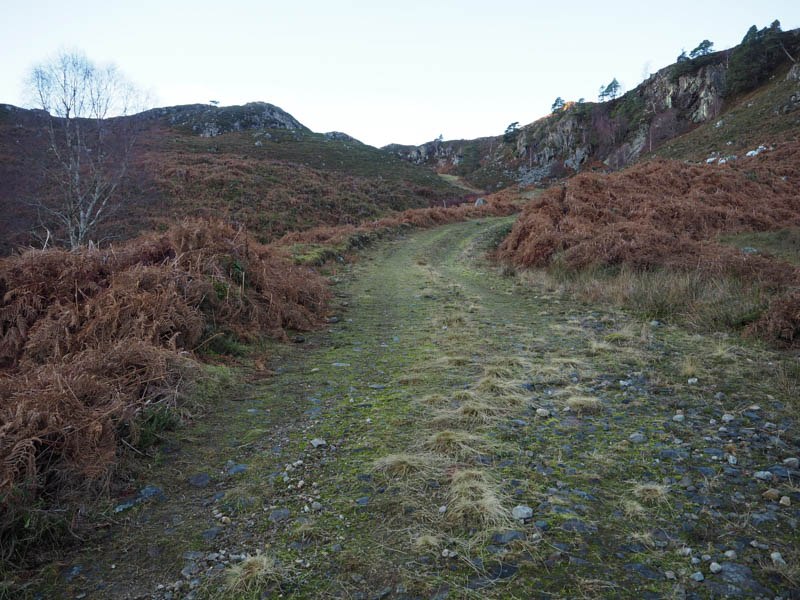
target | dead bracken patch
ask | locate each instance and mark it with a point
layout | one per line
(91, 339)
(667, 213)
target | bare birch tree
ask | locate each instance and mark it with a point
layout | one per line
(89, 150)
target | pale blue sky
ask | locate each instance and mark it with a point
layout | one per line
(380, 71)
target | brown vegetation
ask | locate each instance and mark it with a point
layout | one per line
(92, 338)
(416, 217)
(663, 213)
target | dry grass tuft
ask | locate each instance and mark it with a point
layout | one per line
(253, 575)
(475, 499)
(459, 444)
(432, 400)
(651, 493)
(632, 509)
(404, 464)
(427, 543)
(690, 367)
(473, 412)
(584, 404)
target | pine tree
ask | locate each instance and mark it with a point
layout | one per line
(703, 48)
(557, 105)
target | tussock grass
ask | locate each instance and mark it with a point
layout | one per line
(406, 464)
(464, 396)
(432, 400)
(501, 391)
(475, 499)
(427, 542)
(632, 509)
(690, 367)
(498, 371)
(444, 363)
(253, 575)
(651, 493)
(457, 443)
(584, 404)
(597, 347)
(473, 412)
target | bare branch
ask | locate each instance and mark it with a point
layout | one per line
(89, 149)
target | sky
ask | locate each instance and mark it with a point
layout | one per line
(383, 72)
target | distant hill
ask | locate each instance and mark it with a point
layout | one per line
(255, 164)
(676, 100)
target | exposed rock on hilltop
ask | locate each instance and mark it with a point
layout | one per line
(342, 137)
(208, 121)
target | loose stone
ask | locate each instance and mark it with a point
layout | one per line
(521, 513)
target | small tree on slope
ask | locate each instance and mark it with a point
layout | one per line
(89, 154)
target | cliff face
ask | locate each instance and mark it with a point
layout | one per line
(607, 135)
(614, 133)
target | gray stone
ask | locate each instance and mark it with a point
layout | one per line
(763, 475)
(792, 462)
(578, 526)
(278, 515)
(672, 454)
(760, 518)
(507, 537)
(522, 512)
(363, 501)
(739, 580)
(235, 469)
(318, 443)
(210, 534)
(698, 576)
(200, 479)
(643, 570)
(637, 438)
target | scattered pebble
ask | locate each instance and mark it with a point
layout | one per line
(640, 438)
(777, 559)
(521, 513)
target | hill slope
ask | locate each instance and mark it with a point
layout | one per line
(254, 163)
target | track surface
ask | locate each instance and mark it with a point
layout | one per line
(585, 415)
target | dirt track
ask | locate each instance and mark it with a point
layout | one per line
(641, 477)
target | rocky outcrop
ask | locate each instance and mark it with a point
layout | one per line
(610, 134)
(341, 137)
(615, 133)
(207, 120)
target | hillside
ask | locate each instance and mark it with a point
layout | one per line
(255, 164)
(674, 101)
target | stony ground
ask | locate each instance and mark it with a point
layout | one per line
(458, 433)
